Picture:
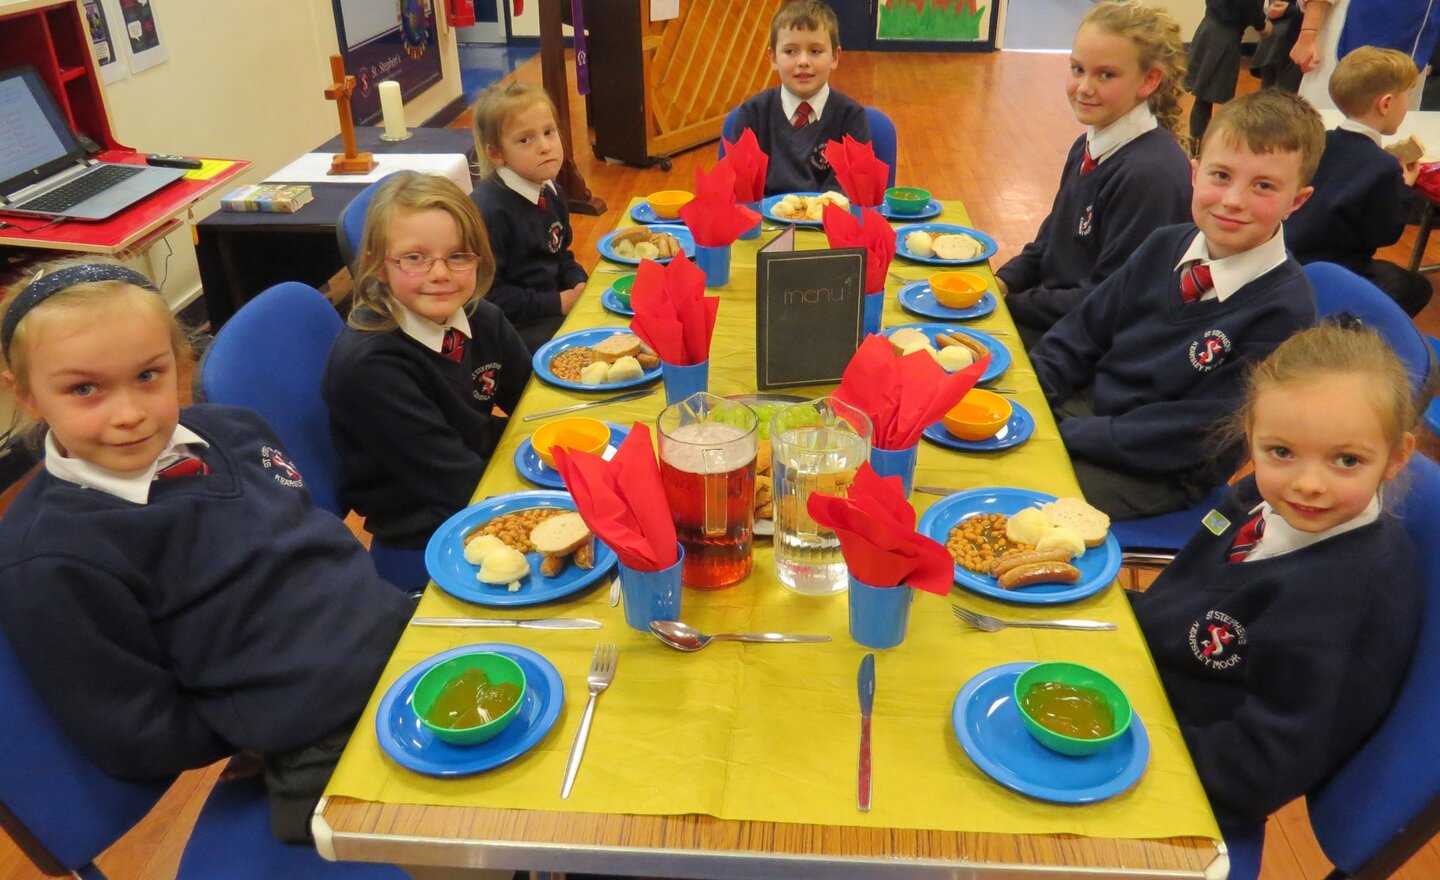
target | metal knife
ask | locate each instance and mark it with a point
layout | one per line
(936, 490)
(866, 685)
(629, 395)
(525, 623)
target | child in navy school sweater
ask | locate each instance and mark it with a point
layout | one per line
(794, 121)
(1154, 356)
(165, 580)
(1283, 630)
(414, 381)
(1124, 85)
(537, 280)
(1214, 57)
(1360, 189)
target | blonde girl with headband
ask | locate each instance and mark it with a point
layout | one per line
(165, 580)
(1125, 176)
(537, 279)
(1283, 629)
(414, 381)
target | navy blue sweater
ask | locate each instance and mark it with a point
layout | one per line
(533, 262)
(1356, 208)
(229, 613)
(1096, 222)
(797, 157)
(1164, 372)
(414, 429)
(1278, 669)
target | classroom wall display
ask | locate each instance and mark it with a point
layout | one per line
(108, 56)
(140, 34)
(387, 40)
(934, 20)
(813, 296)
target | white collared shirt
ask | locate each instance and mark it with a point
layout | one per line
(1233, 273)
(789, 102)
(1279, 537)
(134, 488)
(427, 332)
(530, 191)
(1102, 143)
(1359, 127)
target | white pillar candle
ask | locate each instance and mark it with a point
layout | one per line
(392, 108)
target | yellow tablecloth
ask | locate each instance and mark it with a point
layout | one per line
(769, 732)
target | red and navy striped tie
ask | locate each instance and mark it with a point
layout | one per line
(1194, 281)
(188, 466)
(1247, 538)
(453, 346)
(1087, 164)
(802, 115)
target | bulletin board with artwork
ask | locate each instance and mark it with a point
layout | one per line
(938, 24)
(387, 40)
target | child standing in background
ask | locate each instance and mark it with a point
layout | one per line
(794, 122)
(165, 580)
(1282, 631)
(1215, 55)
(537, 280)
(1124, 177)
(1272, 62)
(414, 381)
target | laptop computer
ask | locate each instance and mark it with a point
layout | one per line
(44, 172)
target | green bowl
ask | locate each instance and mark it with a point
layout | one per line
(906, 199)
(497, 667)
(1078, 676)
(622, 287)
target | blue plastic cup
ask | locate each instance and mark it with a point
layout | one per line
(874, 306)
(857, 211)
(715, 263)
(879, 616)
(754, 231)
(895, 463)
(651, 595)
(683, 381)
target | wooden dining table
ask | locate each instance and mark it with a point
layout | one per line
(739, 761)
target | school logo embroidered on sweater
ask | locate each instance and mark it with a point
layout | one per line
(817, 158)
(1087, 222)
(285, 472)
(483, 382)
(1216, 640)
(1210, 350)
(556, 233)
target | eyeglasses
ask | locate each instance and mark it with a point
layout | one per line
(419, 264)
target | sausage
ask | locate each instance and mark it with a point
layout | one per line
(1039, 573)
(551, 566)
(1026, 557)
(585, 554)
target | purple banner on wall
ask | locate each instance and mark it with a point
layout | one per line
(387, 40)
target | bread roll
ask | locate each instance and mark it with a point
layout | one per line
(560, 535)
(905, 338)
(956, 247)
(1091, 524)
(613, 348)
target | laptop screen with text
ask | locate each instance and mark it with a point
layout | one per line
(35, 140)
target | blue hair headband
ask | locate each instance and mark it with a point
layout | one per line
(46, 286)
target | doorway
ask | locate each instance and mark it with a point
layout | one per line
(1043, 25)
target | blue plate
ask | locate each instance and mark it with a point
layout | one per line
(902, 231)
(612, 303)
(917, 298)
(687, 242)
(445, 555)
(529, 465)
(646, 216)
(406, 740)
(767, 208)
(988, 725)
(932, 209)
(1016, 431)
(999, 354)
(540, 363)
(1098, 566)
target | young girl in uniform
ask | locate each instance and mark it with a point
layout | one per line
(517, 140)
(1215, 56)
(1283, 629)
(414, 381)
(165, 580)
(1123, 178)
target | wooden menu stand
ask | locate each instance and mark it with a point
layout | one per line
(349, 162)
(556, 82)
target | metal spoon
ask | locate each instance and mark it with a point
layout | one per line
(684, 637)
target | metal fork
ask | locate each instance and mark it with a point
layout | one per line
(602, 672)
(994, 624)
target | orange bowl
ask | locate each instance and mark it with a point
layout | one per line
(957, 290)
(978, 416)
(575, 434)
(667, 203)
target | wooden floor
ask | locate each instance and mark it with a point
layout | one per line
(991, 130)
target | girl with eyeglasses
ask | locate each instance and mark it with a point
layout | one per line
(419, 382)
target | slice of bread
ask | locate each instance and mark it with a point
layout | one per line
(1092, 525)
(560, 535)
(1409, 150)
(613, 348)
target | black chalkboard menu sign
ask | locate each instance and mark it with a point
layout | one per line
(809, 313)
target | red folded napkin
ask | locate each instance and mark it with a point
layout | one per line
(623, 501)
(714, 217)
(876, 529)
(672, 313)
(750, 165)
(902, 395)
(863, 177)
(874, 234)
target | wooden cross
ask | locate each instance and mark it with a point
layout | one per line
(339, 91)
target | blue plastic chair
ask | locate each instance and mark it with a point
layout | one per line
(1338, 292)
(1245, 845)
(882, 136)
(1153, 541)
(351, 228)
(1432, 412)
